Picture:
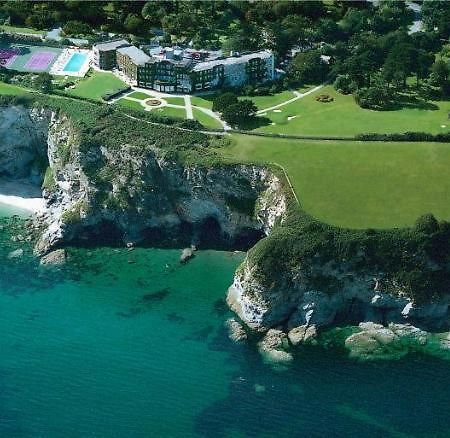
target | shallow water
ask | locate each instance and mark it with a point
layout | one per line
(132, 344)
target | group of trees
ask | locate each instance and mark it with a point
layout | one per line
(234, 111)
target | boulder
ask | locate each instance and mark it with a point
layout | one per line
(302, 334)
(236, 331)
(186, 255)
(273, 347)
(15, 254)
(54, 258)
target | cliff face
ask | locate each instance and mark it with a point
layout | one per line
(345, 295)
(130, 195)
(23, 143)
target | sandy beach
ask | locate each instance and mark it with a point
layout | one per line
(21, 195)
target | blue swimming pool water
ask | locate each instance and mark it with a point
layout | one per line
(75, 62)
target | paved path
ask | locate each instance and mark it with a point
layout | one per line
(188, 105)
(298, 95)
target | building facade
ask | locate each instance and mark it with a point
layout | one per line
(178, 71)
(105, 54)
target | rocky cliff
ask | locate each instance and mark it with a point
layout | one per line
(118, 181)
(128, 195)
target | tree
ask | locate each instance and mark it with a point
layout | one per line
(376, 97)
(134, 24)
(43, 82)
(440, 74)
(224, 101)
(75, 27)
(307, 68)
(239, 112)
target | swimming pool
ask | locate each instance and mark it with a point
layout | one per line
(75, 62)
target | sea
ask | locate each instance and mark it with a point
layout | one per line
(132, 344)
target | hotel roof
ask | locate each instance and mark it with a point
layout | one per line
(138, 56)
(111, 45)
(206, 65)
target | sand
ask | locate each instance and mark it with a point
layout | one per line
(21, 195)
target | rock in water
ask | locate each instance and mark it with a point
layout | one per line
(375, 341)
(302, 335)
(273, 347)
(236, 331)
(186, 255)
(54, 258)
(15, 254)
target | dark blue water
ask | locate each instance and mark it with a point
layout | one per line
(122, 344)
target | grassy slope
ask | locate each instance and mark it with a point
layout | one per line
(359, 185)
(21, 30)
(206, 120)
(171, 112)
(96, 85)
(345, 117)
(12, 90)
(262, 102)
(130, 104)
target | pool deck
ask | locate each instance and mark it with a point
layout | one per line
(59, 65)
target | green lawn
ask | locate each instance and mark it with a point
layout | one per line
(139, 95)
(344, 117)
(96, 85)
(12, 89)
(24, 30)
(130, 104)
(205, 101)
(170, 112)
(262, 102)
(206, 120)
(175, 100)
(355, 184)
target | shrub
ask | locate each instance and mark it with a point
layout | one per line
(343, 84)
(325, 98)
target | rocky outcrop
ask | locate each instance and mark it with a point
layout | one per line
(274, 347)
(294, 299)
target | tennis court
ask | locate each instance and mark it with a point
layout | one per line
(28, 58)
(40, 61)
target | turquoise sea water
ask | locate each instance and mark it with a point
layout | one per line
(132, 344)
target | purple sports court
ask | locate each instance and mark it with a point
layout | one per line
(8, 56)
(40, 61)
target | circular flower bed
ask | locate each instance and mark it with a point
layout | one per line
(153, 102)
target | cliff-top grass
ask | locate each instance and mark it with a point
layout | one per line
(358, 184)
(96, 85)
(343, 117)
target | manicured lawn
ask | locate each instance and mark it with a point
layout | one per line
(206, 120)
(174, 100)
(12, 89)
(96, 85)
(25, 30)
(139, 95)
(205, 101)
(262, 102)
(344, 117)
(356, 184)
(130, 104)
(171, 112)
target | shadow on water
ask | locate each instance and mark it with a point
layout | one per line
(145, 303)
(324, 393)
